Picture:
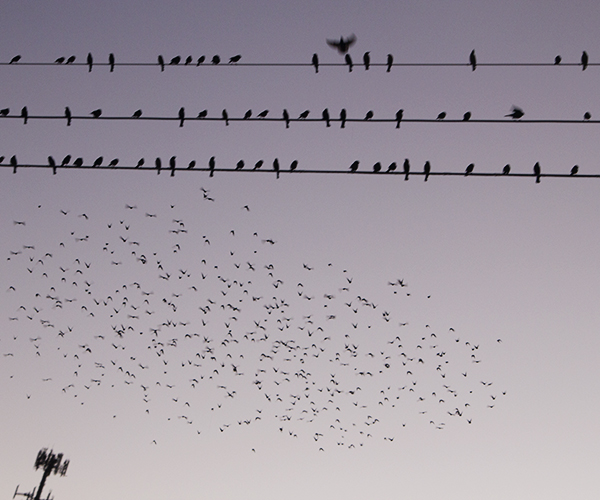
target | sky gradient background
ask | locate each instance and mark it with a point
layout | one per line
(499, 258)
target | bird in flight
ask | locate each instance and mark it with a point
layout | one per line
(343, 44)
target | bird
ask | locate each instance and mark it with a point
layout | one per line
(66, 161)
(70, 60)
(24, 114)
(258, 164)
(315, 62)
(60, 60)
(247, 114)
(68, 115)
(14, 163)
(574, 170)
(506, 169)
(78, 162)
(377, 167)
(343, 44)
(137, 113)
(225, 116)
(348, 60)
(406, 167)
(369, 115)
(587, 115)
(469, 169)
(263, 114)
(473, 60)
(390, 61)
(4, 112)
(172, 165)
(303, 115)
(161, 62)
(516, 113)
(286, 118)
(111, 61)
(90, 61)
(98, 161)
(192, 164)
(140, 163)
(203, 113)
(276, 166)
(325, 116)
(441, 116)
(175, 60)
(181, 116)
(557, 60)
(399, 116)
(96, 113)
(235, 59)
(367, 60)
(293, 165)
(467, 116)
(211, 165)
(427, 170)
(216, 59)
(584, 60)
(343, 117)
(188, 60)
(113, 163)
(15, 59)
(240, 165)
(537, 171)
(158, 165)
(392, 167)
(201, 60)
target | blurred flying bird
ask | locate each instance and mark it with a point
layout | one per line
(399, 115)
(68, 115)
(15, 59)
(216, 59)
(325, 116)
(343, 44)
(516, 113)
(234, 59)
(390, 61)
(469, 169)
(315, 62)
(111, 61)
(343, 117)
(348, 60)
(406, 168)
(427, 170)
(537, 171)
(367, 60)
(584, 60)
(473, 60)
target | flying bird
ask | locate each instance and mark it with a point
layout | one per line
(390, 61)
(315, 62)
(516, 113)
(367, 60)
(473, 60)
(343, 44)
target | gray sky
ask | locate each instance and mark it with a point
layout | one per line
(457, 413)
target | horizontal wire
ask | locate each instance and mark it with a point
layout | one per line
(171, 171)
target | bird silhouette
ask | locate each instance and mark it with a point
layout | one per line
(203, 113)
(181, 116)
(406, 168)
(343, 44)
(469, 169)
(293, 165)
(516, 113)
(473, 60)
(247, 114)
(15, 59)
(111, 61)
(286, 118)
(201, 60)
(216, 59)
(211, 165)
(175, 60)
(137, 113)
(96, 113)
(225, 116)
(60, 60)
(14, 163)
(441, 116)
(191, 164)
(506, 169)
(240, 165)
(172, 164)
(427, 170)
(188, 60)
(574, 170)
(98, 161)
(537, 171)
(557, 60)
(367, 60)
(390, 61)
(315, 62)
(584, 60)
(263, 114)
(68, 115)
(377, 167)
(235, 59)
(369, 115)
(140, 163)
(78, 162)
(392, 167)
(325, 116)
(66, 161)
(24, 114)
(70, 60)
(113, 163)
(4, 112)
(399, 116)
(158, 165)
(348, 60)
(161, 62)
(90, 61)
(467, 116)
(276, 166)
(258, 164)
(587, 115)
(304, 115)
(343, 117)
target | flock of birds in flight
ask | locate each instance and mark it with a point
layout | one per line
(219, 331)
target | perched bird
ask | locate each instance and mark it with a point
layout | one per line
(325, 116)
(240, 165)
(14, 163)
(98, 161)
(161, 62)
(90, 61)
(587, 115)
(176, 60)
(258, 164)
(70, 60)
(24, 114)
(557, 60)
(377, 167)
(216, 59)
(392, 167)
(172, 165)
(137, 113)
(473, 60)
(203, 113)
(140, 163)
(211, 165)
(78, 162)
(467, 116)
(516, 113)
(158, 165)
(66, 161)
(303, 115)
(181, 116)
(96, 113)
(201, 60)
(390, 61)
(68, 115)
(247, 114)
(343, 44)
(188, 60)
(263, 114)
(584, 60)
(469, 169)
(293, 165)
(574, 170)
(367, 60)
(506, 169)
(343, 117)
(192, 164)
(111, 61)
(537, 171)
(60, 60)
(406, 168)
(276, 166)
(399, 116)
(286, 118)
(354, 166)
(369, 115)
(15, 59)
(315, 62)
(51, 162)
(225, 116)
(234, 59)
(348, 60)
(4, 112)
(113, 163)
(427, 170)
(441, 116)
